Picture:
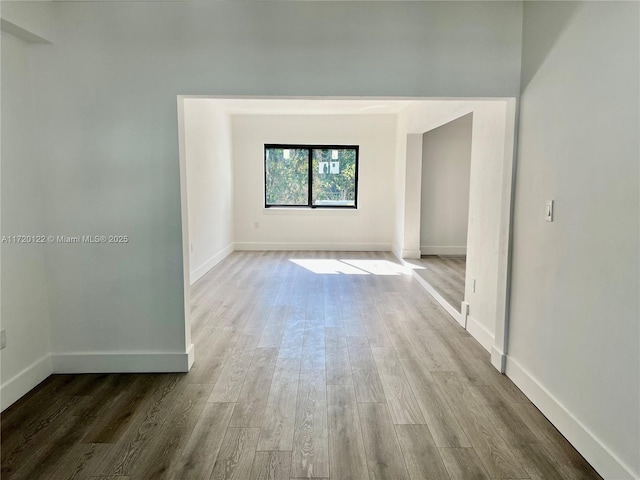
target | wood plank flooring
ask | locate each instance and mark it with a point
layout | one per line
(352, 373)
(446, 274)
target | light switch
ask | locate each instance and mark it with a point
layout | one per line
(549, 211)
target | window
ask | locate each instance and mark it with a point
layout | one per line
(324, 176)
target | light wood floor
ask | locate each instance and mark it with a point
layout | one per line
(445, 275)
(349, 375)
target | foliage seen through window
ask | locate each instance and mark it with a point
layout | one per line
(311, 176)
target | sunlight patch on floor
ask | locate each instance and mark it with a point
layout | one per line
(412, 266)
(332, 266)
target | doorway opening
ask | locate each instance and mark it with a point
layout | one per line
(444, 209)
(222, 143)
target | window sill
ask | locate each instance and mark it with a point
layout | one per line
(305, 211)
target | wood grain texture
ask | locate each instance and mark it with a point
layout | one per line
(252, 400)
(337, 357)
(365, 374)
(463, 464)
(313, 346)
(44, 448)
(271, 466)
(346, 447)
(402, 405)
(297, 375)
(420, 453)
(292, 337)
(384, 457)
(561, 452)
(236, 455)
(500, 413)
(446, 275)
(121, 413)
(112, 477)
(277, 428)
(310, 456)
(442, 422)
(201, 450)
(40, 438)
(144, 428)
(494, 453)
(27, 409)
(164, 452)
(227, 387)
(79, 462)
(537, 463)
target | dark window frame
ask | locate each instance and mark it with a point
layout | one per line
(310, 148)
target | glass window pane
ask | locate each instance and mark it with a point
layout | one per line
(287, 176)
(334, 177)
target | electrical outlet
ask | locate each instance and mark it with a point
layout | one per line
(3, 338)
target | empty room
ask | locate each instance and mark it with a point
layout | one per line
(359, 240)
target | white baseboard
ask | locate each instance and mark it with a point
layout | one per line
(191, 356)
(122, 362)
(324, 246)
(431, 250)
(17, 386)
(480, 333)
(397, 252)
(411, 254)
(439, 298)
(199, 272)
(601, 458)
(475, 328)
(498, 359)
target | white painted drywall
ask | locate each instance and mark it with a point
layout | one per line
(416, 119)
(446, 166)
(412, 174)
(370, 227)
(105, 95)
(486, 237)
(33, 22)
(399, 182)
(25, 311)
(209, 184)
(574, 332)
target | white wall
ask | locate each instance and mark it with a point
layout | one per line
(489, 192)
(412, 183)
(105, 114)
(418, 118)
(209, 184)
(485, 235)
(574, 343)
(446, 165)
(399, 182)
(33, 22)
(370, 227)
(105, 92)
(25, 311)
